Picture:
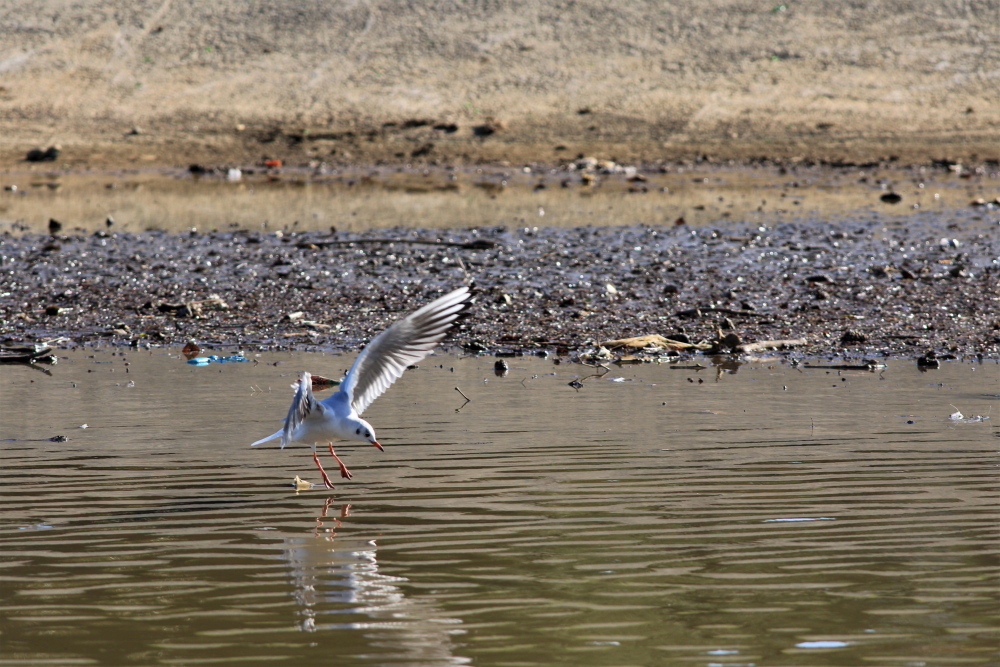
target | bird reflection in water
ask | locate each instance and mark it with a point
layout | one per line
(329, 533)
(338, 586)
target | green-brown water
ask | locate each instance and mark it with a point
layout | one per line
(771, 516)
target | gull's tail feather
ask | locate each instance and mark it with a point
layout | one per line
(302, 405)
(276, 434)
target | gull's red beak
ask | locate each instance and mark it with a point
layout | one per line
(375, 444)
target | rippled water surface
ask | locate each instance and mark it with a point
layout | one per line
(759, 515)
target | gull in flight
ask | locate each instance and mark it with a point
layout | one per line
(380, 364)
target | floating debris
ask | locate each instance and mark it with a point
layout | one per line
(868, 365)
(957, 416)
(822, 644)
(216, 359)
(27, 354)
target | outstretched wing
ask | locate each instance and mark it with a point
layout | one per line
(406, 342)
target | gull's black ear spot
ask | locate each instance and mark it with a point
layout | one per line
(358, 432)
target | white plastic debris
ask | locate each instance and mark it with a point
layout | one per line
(957, 416)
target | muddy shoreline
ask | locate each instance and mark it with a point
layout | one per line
(869, 287)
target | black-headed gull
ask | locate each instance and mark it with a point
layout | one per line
(380, 364)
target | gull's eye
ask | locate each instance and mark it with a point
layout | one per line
(358, 432)
(367, 434)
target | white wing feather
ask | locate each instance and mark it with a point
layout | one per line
(406, 342)
(303, 403)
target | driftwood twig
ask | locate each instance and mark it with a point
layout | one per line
(763, 345)
(478, 244)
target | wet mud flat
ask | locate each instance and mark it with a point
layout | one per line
(871, 286)
(571, 193)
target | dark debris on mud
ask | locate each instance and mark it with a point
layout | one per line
(862, 288)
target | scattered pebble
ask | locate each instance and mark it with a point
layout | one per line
(539, 288)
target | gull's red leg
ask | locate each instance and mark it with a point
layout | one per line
(344, 472)
(326, 479)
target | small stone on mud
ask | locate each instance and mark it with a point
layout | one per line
(891, 198)
(852, 337)
(928, 360)
(731, 340)
(879, 271)
(43, 154)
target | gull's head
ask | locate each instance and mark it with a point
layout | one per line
(364, 431)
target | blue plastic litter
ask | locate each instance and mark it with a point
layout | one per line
(214, 358)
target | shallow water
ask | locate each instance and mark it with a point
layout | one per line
(753, 515)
